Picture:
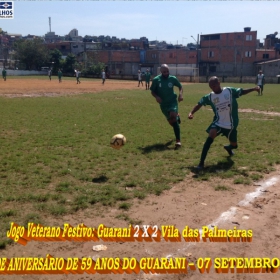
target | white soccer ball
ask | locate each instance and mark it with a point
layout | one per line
(117, 141)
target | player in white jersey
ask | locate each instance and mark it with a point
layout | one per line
(139, 78)
(260, 81)
(225, 108)
(103, 76)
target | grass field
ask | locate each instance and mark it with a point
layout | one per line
(56, 158)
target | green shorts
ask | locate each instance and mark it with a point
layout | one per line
(166, 109)
(231, 134)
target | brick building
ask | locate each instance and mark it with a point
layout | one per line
(228, 54)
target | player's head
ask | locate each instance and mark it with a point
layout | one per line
(139, 71)
(214, 84)
(164, 69)
(260, 71)
(147, 70)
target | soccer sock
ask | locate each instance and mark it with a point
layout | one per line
(205, 149)
(176, 128)
(232, 147)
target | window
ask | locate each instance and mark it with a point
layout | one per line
(210, 37)
(249, 37)
(248, 54)
(172, 55)
(154, 55)
(210, 54)
(265, 55)
(212, 69)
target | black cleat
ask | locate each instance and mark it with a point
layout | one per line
(229, 150)
(178, 145)
(200, 167)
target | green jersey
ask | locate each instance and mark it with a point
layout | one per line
(147, 76)
(4, 73)
(164, 89)
(224, 106)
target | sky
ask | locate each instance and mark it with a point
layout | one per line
(170, 21)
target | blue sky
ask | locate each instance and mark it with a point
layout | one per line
(171, 21)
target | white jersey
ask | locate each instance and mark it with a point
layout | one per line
(260, 78)
(224, 106)
(103, 75)
(139, 76)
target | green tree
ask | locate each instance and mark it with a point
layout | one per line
(69, 64)
(33, 53)
(55, 59)
(92, 63)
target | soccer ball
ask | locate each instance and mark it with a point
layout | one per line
(117, 141)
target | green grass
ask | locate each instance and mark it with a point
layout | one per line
(56, 158)
(222, 188)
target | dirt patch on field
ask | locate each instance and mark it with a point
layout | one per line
(259, 112)
(191, 203)
(40, 87)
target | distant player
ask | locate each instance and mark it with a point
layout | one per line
(50, 74)
(260, 81)
(59, 75)
(103, 76)
(4, 74)
(162, 89)
(225, 108)
(139, 78)
(77, 75)
(147, 78)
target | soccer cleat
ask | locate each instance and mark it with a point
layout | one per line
(199, 167)
(178, 145)
(229, 150)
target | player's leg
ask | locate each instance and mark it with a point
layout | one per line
(232, 137)
(173, 121)
(213, 132)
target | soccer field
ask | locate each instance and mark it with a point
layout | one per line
(57, 166)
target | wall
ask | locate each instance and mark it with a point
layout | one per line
(25, 73)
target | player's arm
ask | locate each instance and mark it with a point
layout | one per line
(178, 84)
(154, 91)
(158, 99)
(180, 97)
(245, 91)
(195, 109)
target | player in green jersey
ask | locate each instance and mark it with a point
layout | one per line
(147, 78)
(162, 89)
(225, 108)
(4, 74)
(59, 75)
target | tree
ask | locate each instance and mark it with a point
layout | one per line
(70, 63)
(55, 59)
(33, 53)
(92, 63)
